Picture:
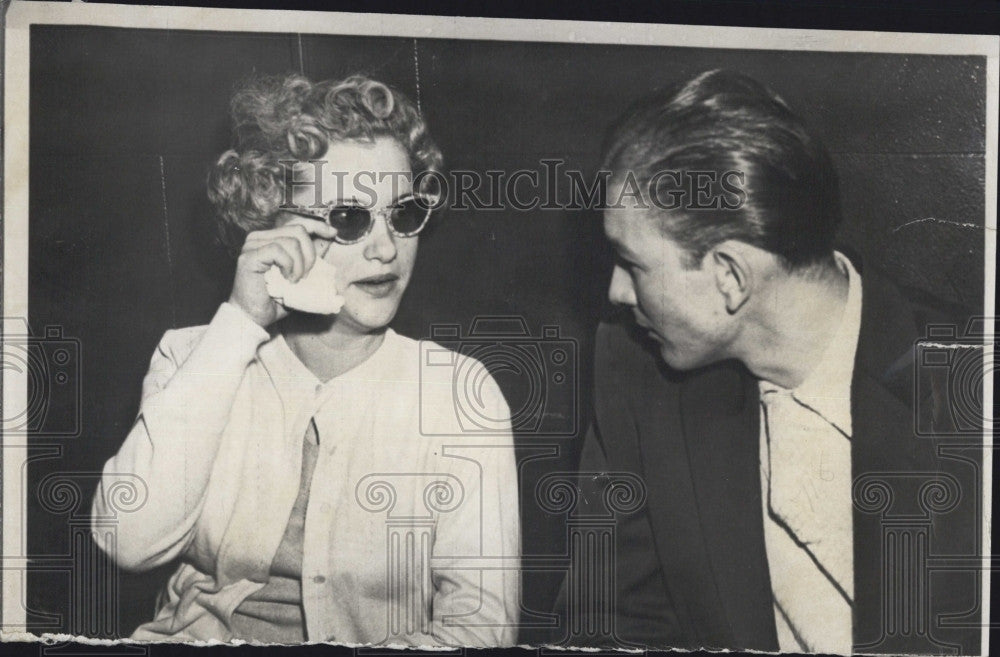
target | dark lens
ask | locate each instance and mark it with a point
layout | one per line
(350, 221)
(408, 216)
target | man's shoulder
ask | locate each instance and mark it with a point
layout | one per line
(894, 319)
(886, 299)
(902, 330)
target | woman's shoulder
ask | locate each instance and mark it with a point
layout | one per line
(436, 361)
(177, 343)
(229, 327)
(447, 375)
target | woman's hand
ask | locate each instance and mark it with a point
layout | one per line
(290, 247)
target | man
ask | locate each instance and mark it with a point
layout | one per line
(763, 392)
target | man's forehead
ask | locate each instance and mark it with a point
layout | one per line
(624, 225)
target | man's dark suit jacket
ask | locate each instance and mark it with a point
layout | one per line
(691, 566)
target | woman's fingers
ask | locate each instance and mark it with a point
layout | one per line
(290, 248)
(314, 227)
(274, 254)
(303, 231)
(283, 252)
(294, 239)
(298, 232)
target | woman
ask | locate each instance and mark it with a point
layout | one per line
(307, 471)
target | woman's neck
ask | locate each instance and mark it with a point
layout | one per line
(326, 348)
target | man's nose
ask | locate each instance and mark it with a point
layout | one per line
(381, 243)
(621, 291)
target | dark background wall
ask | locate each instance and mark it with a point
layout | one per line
(125, 122)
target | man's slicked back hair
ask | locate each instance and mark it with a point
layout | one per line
(722, 121)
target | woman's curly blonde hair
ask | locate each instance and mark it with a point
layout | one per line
(292, 118)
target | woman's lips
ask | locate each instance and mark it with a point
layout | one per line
(377, 286)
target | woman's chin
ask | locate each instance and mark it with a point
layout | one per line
(368, 319)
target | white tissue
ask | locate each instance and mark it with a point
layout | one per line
(316, 292)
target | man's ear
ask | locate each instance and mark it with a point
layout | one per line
(733, 274)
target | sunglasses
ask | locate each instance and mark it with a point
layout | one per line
(406, 217)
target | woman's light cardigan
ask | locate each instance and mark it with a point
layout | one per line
(412, 530)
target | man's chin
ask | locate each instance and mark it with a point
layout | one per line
(678, 360)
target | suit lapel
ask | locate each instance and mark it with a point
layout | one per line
(722, 430)
(700, 459)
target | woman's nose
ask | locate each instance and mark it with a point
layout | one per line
(381, 243)
(621, 291)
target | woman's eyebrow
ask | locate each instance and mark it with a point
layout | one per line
(354, 200)
(402, 197)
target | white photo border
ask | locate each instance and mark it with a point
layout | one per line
(21, 16)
